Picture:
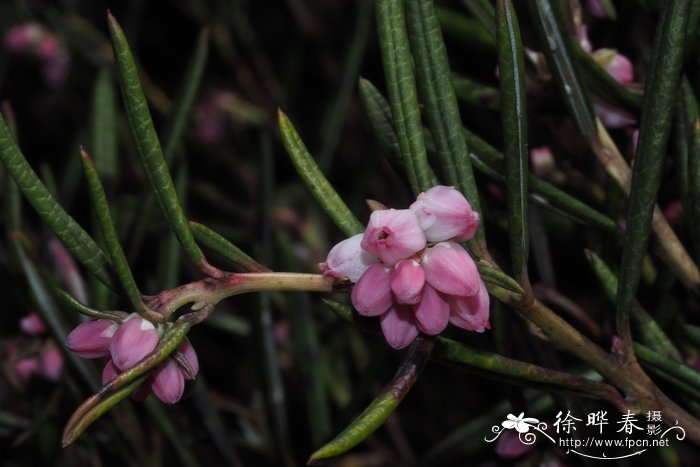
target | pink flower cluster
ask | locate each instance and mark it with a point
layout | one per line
(47, 363)
(33, 40)
(409, 270)
(128, 342)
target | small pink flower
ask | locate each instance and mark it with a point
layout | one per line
(393, 235)
(509, 445)
(542, 160)
(23, 37)
(450, 269)
(347, 258)
(596, 8)
(135, 338)
(432, 313)
(471, 313)
(398, 326)
(26, 368)
(407, 280)
(51, 363)
(444, 214)
(371, 296)
(32, 325)
(168, 382)
(92, 339)
(67, 269)
(617, 65)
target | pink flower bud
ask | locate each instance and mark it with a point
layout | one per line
(92, 339)
(596, 8)
(23, 37)
(542, 161)
(673, 212)
(613, 117)
(444, 213)
(407, 279)
(55, 70)
(371, 296)
(168, 382)
(509, 445)
(51, 361)
(347, 258)
(26, 368)
(32, 325)
(393, 235)
(450, 269)
(583, 39)
(191, 356)
(109, 372)
(432, 313)
(635, 140)
(617, 65)
(135, 338)
(67, 269)
(398, 326)
(471, 313)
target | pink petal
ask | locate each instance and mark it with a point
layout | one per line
(26, 368)
(23, 37)
(450, 269)
(432, 313)
(613, 117)
(444, 213)
(620, 68)
(51, 364)
(596, 8)
(509, 445)
(109, 372)
(398, 326)
(471, 313)
(188, 352)
(92, 339)
(347, 258)
(407, 279)
(32, 325)
(542, 160)
(135, 338)
(168, 382)
(371, 296)
(393, 235)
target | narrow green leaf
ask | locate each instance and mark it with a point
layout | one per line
(182, 109)
(484, 11)
(382, 406)
(647, 329)
(491, 365)
(514, 118)
(694, 189)
(109, 233)
(661, 90)
(476, 94)
(676, 369)
(442, 111)
(74, 428)
(558, 49)
(104, 126)
(379, 115)
(470, 30)
(309, 171)
(81, 308)
(401, 86)
(211, 239)
(78, 242)
(148, 144)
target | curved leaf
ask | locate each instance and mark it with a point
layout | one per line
(228, 250)
(661, 90)
(309, 171)
(78, 242)
(435, 85)
(401, 85)
(148, 144)
(514, 118)
(104, 218)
